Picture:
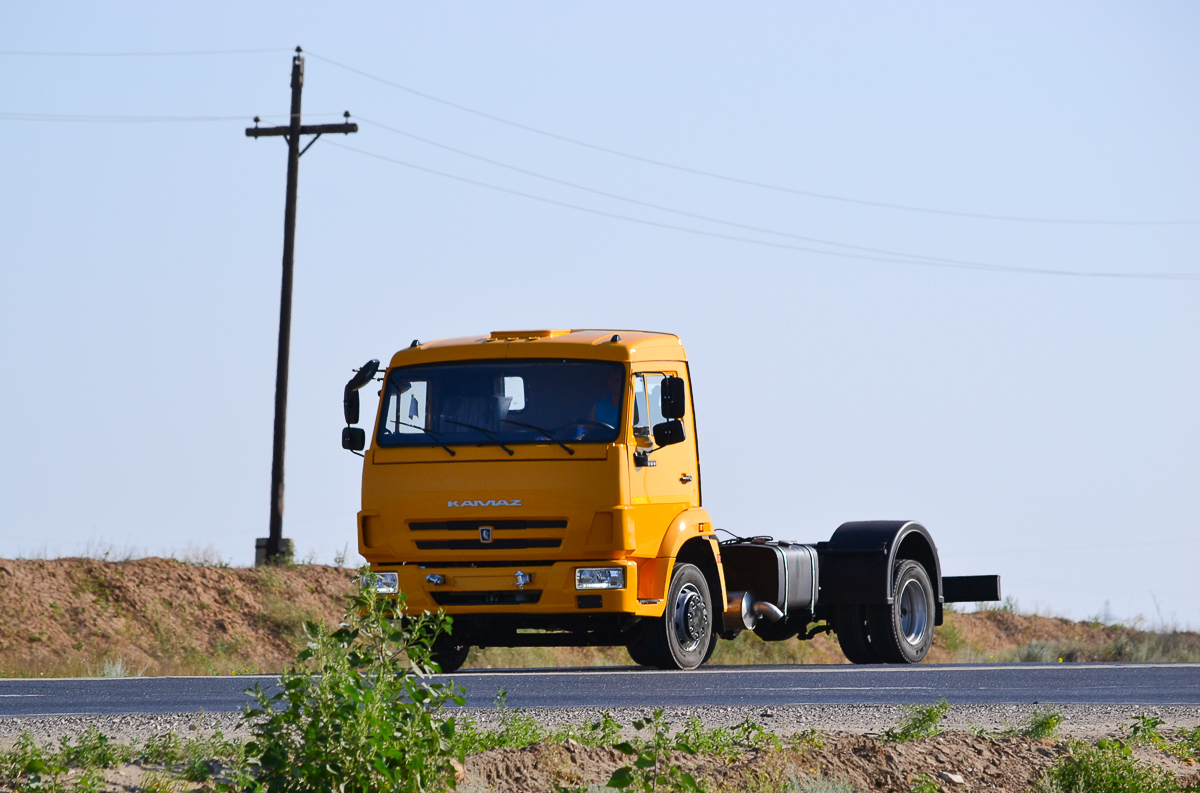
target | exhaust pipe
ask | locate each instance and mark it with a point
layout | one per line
(769, 610)
(743, 612)
(739, 612)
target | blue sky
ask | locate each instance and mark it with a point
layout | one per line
(1042, 426)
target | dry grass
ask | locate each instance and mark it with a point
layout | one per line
(87, 617)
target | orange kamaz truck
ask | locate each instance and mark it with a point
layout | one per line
(543, 488)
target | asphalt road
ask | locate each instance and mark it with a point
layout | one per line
(990, 684)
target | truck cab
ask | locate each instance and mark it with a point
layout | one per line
(543, 487)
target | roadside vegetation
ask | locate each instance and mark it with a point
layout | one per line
(359, 711)
(197, 615)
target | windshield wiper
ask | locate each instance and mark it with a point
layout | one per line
(436, 439)
(549, 435)
(488, 433)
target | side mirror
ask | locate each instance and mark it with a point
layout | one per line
(350, 395)
(354, 438)
(672, 401)
(350, 405)
(669, 432)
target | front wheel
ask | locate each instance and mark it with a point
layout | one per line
(448, 654)
(682, 637)
(903, 631)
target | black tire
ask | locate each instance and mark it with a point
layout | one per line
(639, 654)
(853, 632)
(902, 632)
(681, 638)
(712, 648)
(448, 654)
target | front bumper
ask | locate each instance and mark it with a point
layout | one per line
(531, 588)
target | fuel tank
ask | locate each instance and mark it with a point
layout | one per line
(781, 573)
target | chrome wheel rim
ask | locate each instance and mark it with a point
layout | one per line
(914, 612)
(691, 618)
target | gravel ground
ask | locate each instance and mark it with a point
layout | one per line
(1080, 721)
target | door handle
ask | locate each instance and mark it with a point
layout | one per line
(684, 478)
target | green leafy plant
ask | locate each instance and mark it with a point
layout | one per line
(605, 732)
(91, 749)
(808, 740)
(1144, 730)
(1106, 767)
(919, 722)
(1191, 740)
(652, 769)
(923, 783)
(1041, 723)
(358, 711)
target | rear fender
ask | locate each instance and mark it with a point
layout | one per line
(858, 562)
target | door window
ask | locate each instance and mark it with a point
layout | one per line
(641, 413)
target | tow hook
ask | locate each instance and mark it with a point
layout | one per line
(523, 579)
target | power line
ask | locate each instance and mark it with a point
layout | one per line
(184, 53)
(115, 119)
(950, 264)
(747, 182)
(660, 207)
(79, 118)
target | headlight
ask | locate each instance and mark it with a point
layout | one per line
(385, 583)
(600, 578)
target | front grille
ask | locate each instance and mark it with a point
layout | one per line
(487, 598)
(476, 545)
(473, 525)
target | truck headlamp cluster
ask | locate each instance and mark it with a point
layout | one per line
(600, 578)
(385, 583)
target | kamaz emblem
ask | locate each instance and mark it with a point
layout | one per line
(491, 502)
(485, 534)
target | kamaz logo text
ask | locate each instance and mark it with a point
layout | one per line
(491, 502)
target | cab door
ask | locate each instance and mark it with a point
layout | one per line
(664, 479)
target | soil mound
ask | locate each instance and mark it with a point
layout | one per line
(77, 617)
(82, 617)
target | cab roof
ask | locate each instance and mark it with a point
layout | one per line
(601, 345)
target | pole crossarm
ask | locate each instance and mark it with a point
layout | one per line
(307, 129)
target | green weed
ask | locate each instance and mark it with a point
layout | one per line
(1144, 730)
(605, 732)
(919, 722)
(1191, 740)
(951, 636)
(652, 769)
(925, 784)
(1106, 767)
(92, 749)
(357, 711)
(1041, 723)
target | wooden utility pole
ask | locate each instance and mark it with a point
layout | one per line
(272, 549)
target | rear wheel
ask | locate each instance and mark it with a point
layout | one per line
(903, 631)
(448, 653)
(854, 635)
(682, 637)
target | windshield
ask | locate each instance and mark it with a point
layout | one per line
(503, 402)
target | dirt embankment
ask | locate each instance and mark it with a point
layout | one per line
(65, 617)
